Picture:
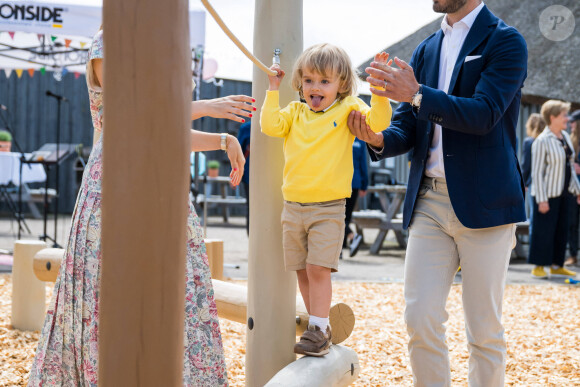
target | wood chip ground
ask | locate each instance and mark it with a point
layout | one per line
(542, 329)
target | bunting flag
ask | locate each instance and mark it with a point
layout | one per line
(11, 33)
(8, 72)
(67, 43)
(31, 72)
(64, 71)
(53, 38)
(19, 72)
(83, 44)
(40, 36)
(77, 75)
(42, 70)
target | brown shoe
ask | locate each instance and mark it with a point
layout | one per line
(314, 342)
(571, 261)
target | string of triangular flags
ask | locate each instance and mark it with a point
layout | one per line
(31, 72)
(67, 43)
(53, 38)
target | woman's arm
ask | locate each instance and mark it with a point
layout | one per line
(232, 107)
(98, 70)
(202, 141)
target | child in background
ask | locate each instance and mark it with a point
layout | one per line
(317, 173)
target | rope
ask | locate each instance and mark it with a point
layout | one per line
(229, 33)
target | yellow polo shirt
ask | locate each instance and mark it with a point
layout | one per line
(318, 146)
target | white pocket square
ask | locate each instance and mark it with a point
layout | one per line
(472, 57)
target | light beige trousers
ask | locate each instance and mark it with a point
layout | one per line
(438, 244)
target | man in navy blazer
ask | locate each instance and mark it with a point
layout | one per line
(460, 98)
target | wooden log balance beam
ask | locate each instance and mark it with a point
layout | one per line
(231, 299)
(340, 367)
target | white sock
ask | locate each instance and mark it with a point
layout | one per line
(320, 322)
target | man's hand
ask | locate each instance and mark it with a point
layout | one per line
(359, 127)
(543, 207)
(399, 84)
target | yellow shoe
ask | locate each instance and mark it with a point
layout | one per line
(561, 271)
(539, 272)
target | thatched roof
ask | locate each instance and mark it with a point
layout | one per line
(553, 67)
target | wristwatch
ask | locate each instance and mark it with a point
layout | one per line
(416, 98)
(223, 142)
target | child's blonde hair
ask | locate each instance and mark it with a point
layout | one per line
(327, 60)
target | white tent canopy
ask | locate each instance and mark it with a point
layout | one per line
(70, 20)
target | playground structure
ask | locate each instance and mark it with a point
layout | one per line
(144, 221)
(231, 299)
(35, 264)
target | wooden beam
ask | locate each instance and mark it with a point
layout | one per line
(231, 299)
(147, 82)
(232, 304)
(340, 367)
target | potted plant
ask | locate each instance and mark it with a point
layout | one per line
(213, 168)
(5, 141)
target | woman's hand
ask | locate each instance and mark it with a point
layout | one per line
(232, 107)
(237, 159)
(543, 207)
(275, 80)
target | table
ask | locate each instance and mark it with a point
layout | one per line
(391, 198)
(10, 170)
(222, 199)
(32, 173)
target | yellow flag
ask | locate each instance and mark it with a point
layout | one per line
(19, 72)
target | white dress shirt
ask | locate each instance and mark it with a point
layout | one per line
(454, 37)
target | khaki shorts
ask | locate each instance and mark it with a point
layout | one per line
(312, 233)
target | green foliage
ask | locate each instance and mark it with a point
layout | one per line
(5, 136)
(213, 164)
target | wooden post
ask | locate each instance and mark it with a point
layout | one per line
(215, 257)
(28, 292)
(271, 290)
(147, 71)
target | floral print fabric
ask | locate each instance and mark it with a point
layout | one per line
(67, 353)
(96, 93)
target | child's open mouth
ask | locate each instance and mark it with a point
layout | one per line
(316, 100)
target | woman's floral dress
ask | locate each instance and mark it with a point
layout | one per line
(67, 353)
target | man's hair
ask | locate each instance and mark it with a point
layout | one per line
(327, 60)
(553, 108)
(535, 125)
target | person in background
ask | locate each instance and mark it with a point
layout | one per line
(574, 214)
(534, 126)
(360, 182)
(553, 180)
(244, 139)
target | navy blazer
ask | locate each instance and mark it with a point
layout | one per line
(478, 119)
